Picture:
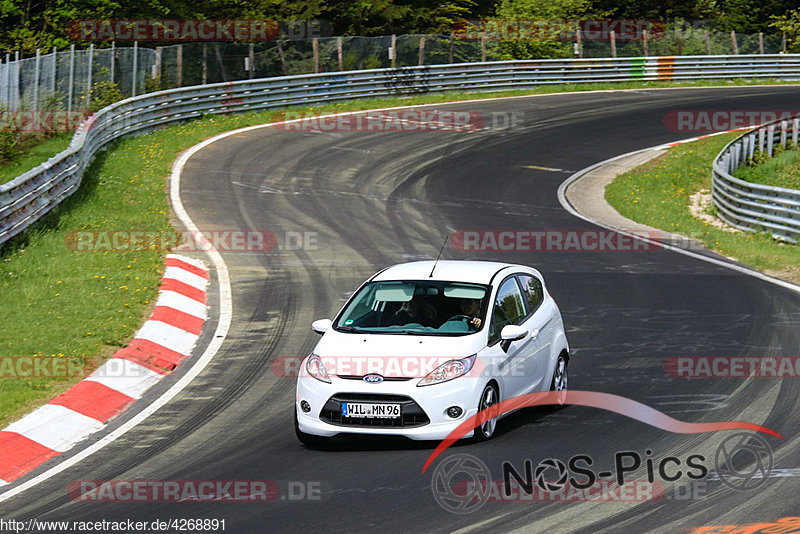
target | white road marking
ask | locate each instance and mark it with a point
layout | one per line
(55, 427)
(182, 275)
(125, 376)
(183, 304)
(168, 336)
(197, 263)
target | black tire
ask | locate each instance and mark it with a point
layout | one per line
(308, 440)
(560, 381)
(489, 397)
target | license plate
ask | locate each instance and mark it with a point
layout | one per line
(361, 409)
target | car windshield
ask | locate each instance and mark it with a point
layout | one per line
(419, 307)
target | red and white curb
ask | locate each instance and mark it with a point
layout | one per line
(164, 340)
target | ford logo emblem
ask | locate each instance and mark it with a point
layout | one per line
(373, 379)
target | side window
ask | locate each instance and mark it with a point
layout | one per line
(508, 308)
(532, 288)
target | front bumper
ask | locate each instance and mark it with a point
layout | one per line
(433, 401)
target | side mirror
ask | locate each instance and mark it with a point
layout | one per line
(320, 326)
(512, 332)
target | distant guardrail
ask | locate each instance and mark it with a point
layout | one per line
(756, 207)
(27, 198)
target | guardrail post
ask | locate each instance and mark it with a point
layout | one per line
(613, 38)
(708, 42)
(341, 55)
(733, 40)
(315, 50)
(783, 43)
(113, 60)
(795, 128)
(761, 140)
(760, 43)
(53, 79)
(135, 59)
(284, 69)
(71, 76)
(784, 127)
(6, 96)
(483, 47)
(394, 50)
(751, 146)
(579, 41)
(644, 43)
(252, 59)
(770, 139)
(204, 75)
(89, 77)
(679, 31)
(36, 87)
(156, 73)
(179, 61)
(15, 103)
(452, 45)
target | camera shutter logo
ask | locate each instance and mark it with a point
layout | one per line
(453, 471)
(743, 461)
(547, 484)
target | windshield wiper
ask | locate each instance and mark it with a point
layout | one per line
(352, 329)
(419, 333)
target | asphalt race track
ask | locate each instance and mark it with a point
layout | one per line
(371, 199)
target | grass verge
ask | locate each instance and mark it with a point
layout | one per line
(59, 303)
(657, 194)
(782, 171)
(33, 155)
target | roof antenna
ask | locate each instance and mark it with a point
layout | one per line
(439, 256)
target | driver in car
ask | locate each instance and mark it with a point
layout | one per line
(472, 308)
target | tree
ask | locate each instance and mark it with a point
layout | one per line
(789, 23)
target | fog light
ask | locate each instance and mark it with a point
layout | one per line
(306, 407)
(454, 412)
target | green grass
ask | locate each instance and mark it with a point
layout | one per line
(33, 155)
(657, 194)
(83, 306)
(782, 171)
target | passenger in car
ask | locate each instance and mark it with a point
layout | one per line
(417, 310)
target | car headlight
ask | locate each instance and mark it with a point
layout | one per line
(448, 370)
(316, 369)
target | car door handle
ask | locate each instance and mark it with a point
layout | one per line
(534, 334)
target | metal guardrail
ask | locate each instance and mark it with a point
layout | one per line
(30, 196)
(756, 207)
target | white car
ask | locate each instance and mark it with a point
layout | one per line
(422, 346)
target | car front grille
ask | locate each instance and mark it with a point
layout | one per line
(385, 378)
(411, 415)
